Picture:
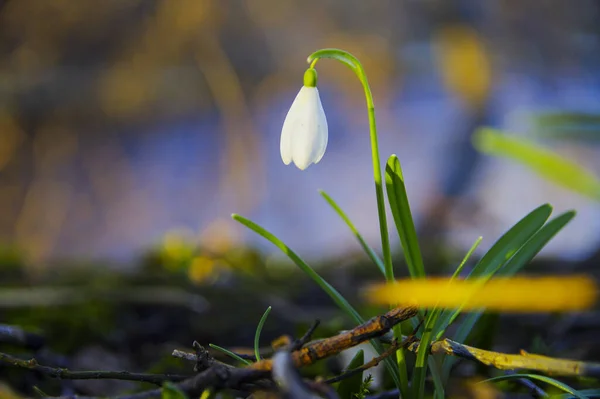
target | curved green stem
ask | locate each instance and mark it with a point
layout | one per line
(356, 66)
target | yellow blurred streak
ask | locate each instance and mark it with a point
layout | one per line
(41, 219)
(464, 63)
(11, 137)
(244, 179)
(165, 40)
(518, 294)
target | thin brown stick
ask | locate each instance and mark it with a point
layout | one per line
(372, 363)
(61, 373)
(376, 360)
(324, 348)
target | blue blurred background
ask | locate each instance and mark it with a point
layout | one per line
(127, 123)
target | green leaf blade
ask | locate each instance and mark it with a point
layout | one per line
(368, 250)
(261, 323)
(403, 219)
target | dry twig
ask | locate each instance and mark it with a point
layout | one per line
(62, 373)
(325, 348)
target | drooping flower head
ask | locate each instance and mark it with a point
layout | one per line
(304, 132)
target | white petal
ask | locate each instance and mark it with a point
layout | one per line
(323, 131)
(287, 132)
(304, 132)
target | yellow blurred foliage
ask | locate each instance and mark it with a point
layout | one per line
(6, 392)
(518, 294)
(464, 63)
(177, 249)
(203, 269)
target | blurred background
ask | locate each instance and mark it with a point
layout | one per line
(130, 130)
(124, 121)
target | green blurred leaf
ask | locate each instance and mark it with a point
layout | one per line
(351, 386)
(370, 252)
(568, 125)
(541, 160)
(396, 190)
(550, 381)
(171, 391)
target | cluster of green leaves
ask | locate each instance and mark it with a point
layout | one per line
(507, 256)
(544, 162)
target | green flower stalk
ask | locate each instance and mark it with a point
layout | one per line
(354, 64)
(304, 139)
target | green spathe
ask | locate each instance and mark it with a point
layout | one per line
(310, 77)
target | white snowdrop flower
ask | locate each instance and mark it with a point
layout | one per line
(304, 132)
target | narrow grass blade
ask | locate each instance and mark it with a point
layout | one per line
(405, 225)
(261, 323)
(550, 381)
(325, 286)
(531, 248)
(337, 298)
(370, 252)
(544, 162)
(467, 257)
(351, 386)
(230, 354)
